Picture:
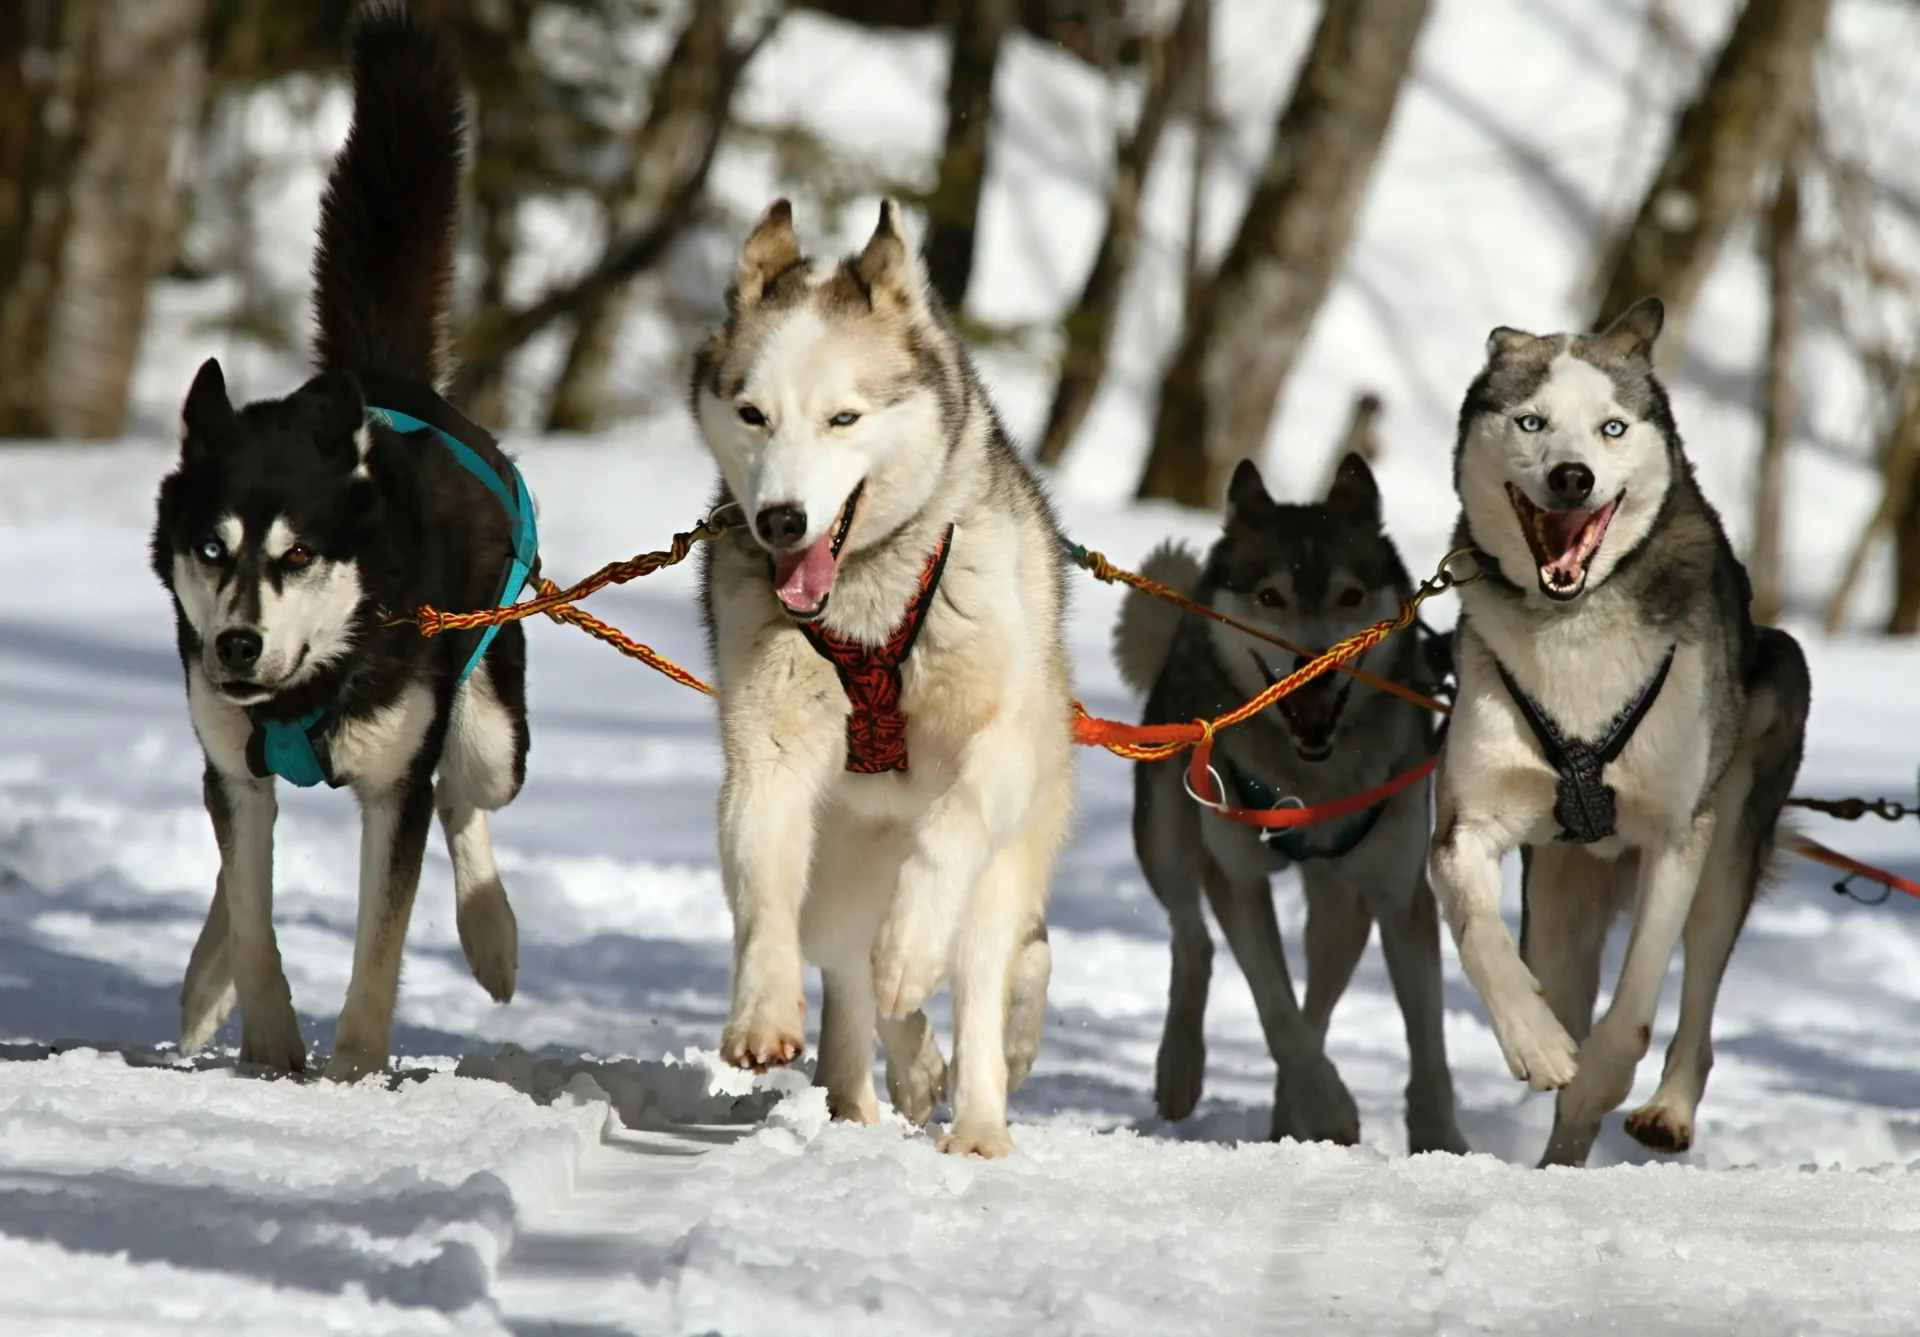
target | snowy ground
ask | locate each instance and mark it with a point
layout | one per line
(656, 1195)
(137, 1197)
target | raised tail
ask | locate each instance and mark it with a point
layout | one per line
(1143, 635)
(384, 264)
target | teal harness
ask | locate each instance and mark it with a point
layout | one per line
(1292, 841)
(296, 750)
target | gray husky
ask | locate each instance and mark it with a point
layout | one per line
(1313, 575)
(1620, 718)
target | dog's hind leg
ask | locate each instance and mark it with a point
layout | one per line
(243, 812)
(1310, 1101)
(207, 995)
(1027, 1002)
(1410, 941)
(1166, 839)
(916, 1072)
(393, 839)
(480, 770)
(1570, 901)
(854, 865)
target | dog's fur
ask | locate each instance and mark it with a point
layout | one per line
(301, 523)
(898, 882)
(1313, 574)
(1699, 787)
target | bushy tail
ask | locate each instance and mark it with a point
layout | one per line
(1143, 635)
(385, 259)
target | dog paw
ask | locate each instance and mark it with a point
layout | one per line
(987, 1141)
(1179, 1075)
(765, 1036)
(270, 1037)
(1659, 1127)
(490, 939)
(203, 1011)
(858, 1107)
(1317, 1107)
(351, 1062)
(1431, 1123)
(904, 975)
(1536, 1046)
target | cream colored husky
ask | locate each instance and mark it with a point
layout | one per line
(893, 685)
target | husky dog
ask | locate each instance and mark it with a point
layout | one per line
(892, 679)
(297, 534)
(1313, 575)
(1620, 717)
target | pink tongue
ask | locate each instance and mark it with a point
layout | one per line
(802, 579)
(1562, 530)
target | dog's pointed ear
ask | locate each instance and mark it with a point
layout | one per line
(207, 419)
(1354, 495)
(340, 421)
(1631, 336)
(888, 267)
(770, 250)
(1247, 495)
(1505, 340)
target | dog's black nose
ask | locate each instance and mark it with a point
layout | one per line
(781, 526)
(238, 650)
(1571, 483)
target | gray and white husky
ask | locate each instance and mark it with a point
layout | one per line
(1620, 718)
(1314, 575)
(893, 684)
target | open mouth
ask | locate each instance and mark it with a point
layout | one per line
(1311, 710)
(803, 577)
(1563, 542)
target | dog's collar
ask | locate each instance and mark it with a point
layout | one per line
(1583, 801)
(296, 750)
(870, 675)
(1293, 842)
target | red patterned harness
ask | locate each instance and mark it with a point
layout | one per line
(870, 676)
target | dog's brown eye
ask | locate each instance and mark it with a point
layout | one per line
(752, 416)
(1350, 598)
(1271, 599)
(296, 556)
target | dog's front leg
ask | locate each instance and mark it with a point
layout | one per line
(1465, 867)
(773, 786)
(243, 810)
(1669, 876)
(963, 827)
(393, 839)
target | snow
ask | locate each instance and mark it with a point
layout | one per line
(578, 1161)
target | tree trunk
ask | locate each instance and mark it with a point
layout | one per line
(1219, 392)
(1739, 122)
(1088, 327)
(1903, 503)
(666, 149)
(1777, 409)
(92, 203)
(979, 27)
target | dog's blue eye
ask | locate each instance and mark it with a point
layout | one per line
(844, 419)
(752, 416)
(1613, 427)
(212, 550)
(1530, 422)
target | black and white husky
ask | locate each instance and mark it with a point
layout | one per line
(1314, 574)
(1620, 718)
(297, 535)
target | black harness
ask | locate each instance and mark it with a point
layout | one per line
(1583, 802)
